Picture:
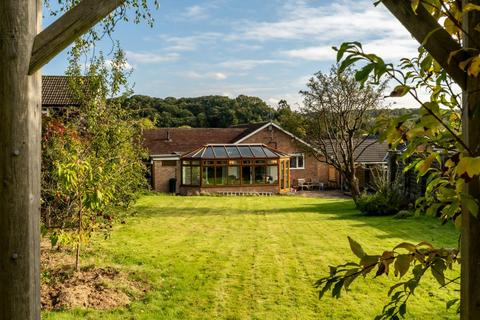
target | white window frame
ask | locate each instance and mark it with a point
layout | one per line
(296, 155)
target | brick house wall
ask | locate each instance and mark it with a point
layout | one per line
(277, 139)
(162, 173)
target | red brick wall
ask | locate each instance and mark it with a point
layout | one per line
(188, 190)
(161, 175)
(314, 169)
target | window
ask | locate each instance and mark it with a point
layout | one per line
(208, 176)
(187, 175)
(190, 173)
(234, 175)
(297, 161)
(169, 163)
(272, 175)
(247, 175)
(260, 174)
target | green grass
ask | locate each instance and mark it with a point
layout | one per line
(257, 258)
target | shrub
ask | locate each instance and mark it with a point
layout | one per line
(404, 214)
(387, 200)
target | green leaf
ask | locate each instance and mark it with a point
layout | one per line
(402, 310)
(362, 74)
(400, 91)
(402, 264)
(337, 289)
(438, 269)
(347, 62)
(406, 245)
(451, 303)
(340, 52)
(356, 248)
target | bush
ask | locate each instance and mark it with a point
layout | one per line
(404, 214)
(388, 200)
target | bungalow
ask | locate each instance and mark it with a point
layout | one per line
(260, 157)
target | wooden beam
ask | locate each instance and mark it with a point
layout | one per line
(435, 39)
(20, 132)
(67, 28)
(470, 242)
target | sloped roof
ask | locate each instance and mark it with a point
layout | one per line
(56, 92)
(249, 128)
(164, 141)
(372, 150)
(235, 151)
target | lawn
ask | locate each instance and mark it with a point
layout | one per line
(257, 258)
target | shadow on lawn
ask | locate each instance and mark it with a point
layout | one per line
(341, 210)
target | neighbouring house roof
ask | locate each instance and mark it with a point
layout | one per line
(376, 151)
(372, 151)
(56, 92)
(163, 141)
(235, 151)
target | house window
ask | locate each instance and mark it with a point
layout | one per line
(297, 161)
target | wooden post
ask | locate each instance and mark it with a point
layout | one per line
(20, 132)
(470, 244)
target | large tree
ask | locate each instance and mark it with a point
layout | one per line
(336, 108)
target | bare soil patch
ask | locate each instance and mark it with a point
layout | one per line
(91, 287)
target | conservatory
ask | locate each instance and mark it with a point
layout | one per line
(235, 168)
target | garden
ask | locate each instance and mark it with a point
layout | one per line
(252, 257)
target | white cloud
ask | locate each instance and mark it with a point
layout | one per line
(190, 43)
(151, 57)
(249, 63)
(395, 50)
(195, 12)
(209, 75)
(312, 53)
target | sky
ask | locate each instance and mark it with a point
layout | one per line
(266, 48)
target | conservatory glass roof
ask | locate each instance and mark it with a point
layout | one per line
(235, 151)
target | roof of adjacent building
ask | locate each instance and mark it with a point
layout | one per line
(235, 151)
(375, 151)
(179, 141)
(369, 151)
(163, 141)
(56, 92)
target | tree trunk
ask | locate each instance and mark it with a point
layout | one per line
(470, 244)
(20, 131)
(77, 251)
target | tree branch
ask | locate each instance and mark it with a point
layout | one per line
(421, 24)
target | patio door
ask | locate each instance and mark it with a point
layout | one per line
(284, 175)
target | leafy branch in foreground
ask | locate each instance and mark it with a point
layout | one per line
(419, 258)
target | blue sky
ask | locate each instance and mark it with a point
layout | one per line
(261, 48)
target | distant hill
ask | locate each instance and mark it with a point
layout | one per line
(222, 112)
(207, 111)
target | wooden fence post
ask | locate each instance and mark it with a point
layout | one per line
(20, 132)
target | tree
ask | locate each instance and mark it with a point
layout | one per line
(289, 119)
(24, 50)
(454, 50)
(92, 161)
(336, 107)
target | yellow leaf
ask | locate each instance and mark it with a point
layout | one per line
(414, 4)
(471, 7)
(450, 26)
(474, 67)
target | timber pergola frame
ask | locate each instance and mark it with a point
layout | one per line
(447, 52)
(23, 51)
